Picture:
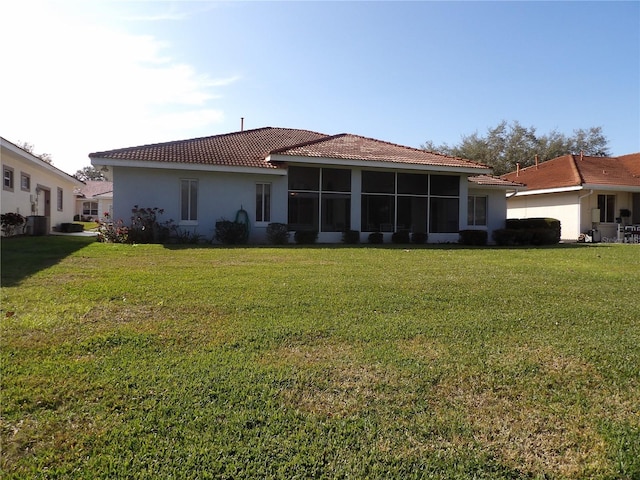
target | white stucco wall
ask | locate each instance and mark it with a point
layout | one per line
(220, 196)
(496, 210)
(561, 206)
(44, 183)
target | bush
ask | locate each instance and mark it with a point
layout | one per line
(419, 238)
(109, 232)
(11, 222)
(145, 227)
(231, 233)
(278, 233)
(351, 237)
(473, 237)
(376, 238)
(401, 236)
(305, 237)
(534, 231)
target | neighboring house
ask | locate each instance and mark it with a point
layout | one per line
(307, 180)
(585, 193)
(93, 200)
(35, 189)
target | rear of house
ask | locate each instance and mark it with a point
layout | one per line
(307, 180)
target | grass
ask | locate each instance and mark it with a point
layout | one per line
(319, 362)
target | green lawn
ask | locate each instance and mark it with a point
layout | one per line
(144, 361)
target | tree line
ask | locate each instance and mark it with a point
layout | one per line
(507, 144)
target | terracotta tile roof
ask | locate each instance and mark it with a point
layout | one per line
(93, 188)
(353, 147)
(576, 170)
(250, 148)
(247, 148)
(490, 180)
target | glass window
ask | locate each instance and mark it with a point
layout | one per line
(189, 200)
(378, 213)
(304, 178)
(378, 182)
(445, 185)
(412, 214)
(60, 199)
(443, 215)
(263, 202)
(336, 180)
(412, 183)
(90, 208)
(25, 181)
(477, 210)
(607, 206)
(7, 178)
(303, 210)
(336, 212)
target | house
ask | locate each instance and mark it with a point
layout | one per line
(35, 189)
(587, 194)
(308, 180)
(93, 200)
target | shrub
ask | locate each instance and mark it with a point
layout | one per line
(11, 222)
(231, 233)
(534, 231)
(278, 233)
(419, 238)
(109, 232)
(145, 227)
(401, 236)
(351, 237)
(376, 238)
(473, 237)
(305, 237)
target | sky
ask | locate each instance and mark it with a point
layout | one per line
(85, 76)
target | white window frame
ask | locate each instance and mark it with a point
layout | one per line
(192, 219)
(25, 182)
(60, 199)
(7, 178)
(474, 221)
(263, 217)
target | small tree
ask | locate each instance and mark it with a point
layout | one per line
(90, 173)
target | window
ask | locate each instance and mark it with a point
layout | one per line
(7, 178)
(189, 200)
(607, 207)
(409, 201)
(477, 210)
(60, 200)
(263, 202)
(90, 209)
(319, 199)
(25, 182)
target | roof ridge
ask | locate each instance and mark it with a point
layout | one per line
(576, 170)
(405, 147)
(310, 142)
(195, 139)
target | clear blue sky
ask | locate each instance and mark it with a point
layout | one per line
(82, 76)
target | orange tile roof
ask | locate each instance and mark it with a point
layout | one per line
(250, 148)
(247, 148)
(577, 170)
(353, 147)
(490, 180)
